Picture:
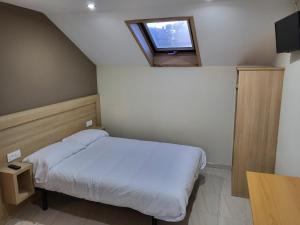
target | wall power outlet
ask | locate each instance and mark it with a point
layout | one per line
(14, 155)
(89, 123)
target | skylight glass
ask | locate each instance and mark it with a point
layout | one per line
(172, 35)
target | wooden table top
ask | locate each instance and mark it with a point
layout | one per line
(275, 200)
(24, 167)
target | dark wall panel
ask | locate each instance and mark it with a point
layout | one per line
(39, 65)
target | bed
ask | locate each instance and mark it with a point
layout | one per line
(153, 178)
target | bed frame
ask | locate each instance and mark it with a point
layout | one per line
(44, 203)
(33, 129)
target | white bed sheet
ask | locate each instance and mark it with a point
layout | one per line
(153, 178)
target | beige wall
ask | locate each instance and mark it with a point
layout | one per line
(193, 106)
(288, 150)
(39, 65)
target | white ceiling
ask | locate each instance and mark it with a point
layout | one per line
(230, 32)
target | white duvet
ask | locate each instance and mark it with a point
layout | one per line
(153, 178)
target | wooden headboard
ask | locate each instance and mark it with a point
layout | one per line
(33, 129)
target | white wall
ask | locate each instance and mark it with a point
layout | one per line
(288, 150)
(230, 32)
(193, 106)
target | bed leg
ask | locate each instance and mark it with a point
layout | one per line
(44, 200)
(154, 221)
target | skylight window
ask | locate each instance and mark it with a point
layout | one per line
(170, 35)
(169, 42)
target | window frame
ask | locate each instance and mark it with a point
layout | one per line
(165, 57)
(150, 37)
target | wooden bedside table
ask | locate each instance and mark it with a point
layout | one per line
(17, 185)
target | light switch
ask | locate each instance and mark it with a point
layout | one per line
(13, 155)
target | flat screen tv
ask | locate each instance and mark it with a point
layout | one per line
(288, 33)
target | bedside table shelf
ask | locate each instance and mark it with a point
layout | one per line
(17, 185)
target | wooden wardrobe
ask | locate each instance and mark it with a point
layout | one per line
(258, 101)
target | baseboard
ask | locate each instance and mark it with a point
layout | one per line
(219, 166)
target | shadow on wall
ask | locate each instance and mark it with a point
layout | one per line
(288, 154)
(266, 49)
(295, 56)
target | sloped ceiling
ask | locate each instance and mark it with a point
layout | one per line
(230, 32)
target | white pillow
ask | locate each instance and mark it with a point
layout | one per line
(46, 158)
(86, 137)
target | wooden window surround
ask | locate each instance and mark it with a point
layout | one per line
(169, 57)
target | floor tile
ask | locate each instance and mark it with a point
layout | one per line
(224, 173)
(14, 221)
(67, 219)
(207, 202)
(235, 207)
(200, 218)
(95, 222)
(226, 188)
(233, 221)
(212, 184)
(45, 217)
(27, 212)
(20, 222)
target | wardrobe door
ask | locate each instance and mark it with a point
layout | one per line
(256, 125)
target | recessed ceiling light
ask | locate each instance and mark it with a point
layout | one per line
(91, 6)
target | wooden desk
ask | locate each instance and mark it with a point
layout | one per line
(275, 200)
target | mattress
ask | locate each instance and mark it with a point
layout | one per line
(153, 178)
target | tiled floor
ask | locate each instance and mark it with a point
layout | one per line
(210, 204)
